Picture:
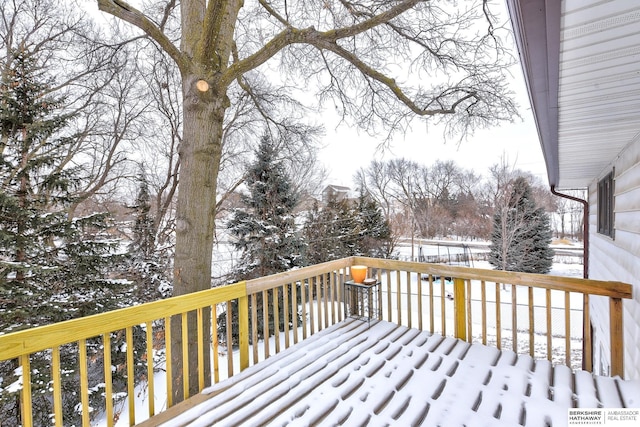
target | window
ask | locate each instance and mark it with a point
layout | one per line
(605, 205)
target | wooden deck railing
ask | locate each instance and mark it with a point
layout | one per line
(529, 313)
(465, 302)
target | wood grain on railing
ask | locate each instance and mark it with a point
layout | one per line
(243, 336)
(420, 308)
(303, 308)
(294, 297)
(409, 311)
(276, 317)
(130, 374)
(285, 297)
(469, 311)
(549, 336)
(431, 306)
(532, 322)
(168, 367)
(389, 293)
(443, 305)
(57, 385)
(498, 316)
(514, 318)
(150, 373)
(483, 301)
(84, 381)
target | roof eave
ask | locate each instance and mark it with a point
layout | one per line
(536, 27)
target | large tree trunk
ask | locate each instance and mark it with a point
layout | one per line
(195, 220)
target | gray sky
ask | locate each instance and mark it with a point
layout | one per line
(348, 150)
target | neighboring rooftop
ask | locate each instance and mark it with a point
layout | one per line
(336, 192)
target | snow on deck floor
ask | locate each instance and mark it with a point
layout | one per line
(357, 373)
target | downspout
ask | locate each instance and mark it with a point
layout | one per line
(585, 230)
(586, 352)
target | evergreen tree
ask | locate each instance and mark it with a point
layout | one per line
(375, 232)
(52, 267)
(344, 228)
(264, 230)
(330, 232)
(47, 260)
(147, 268)
(317, 242)
(521, 233)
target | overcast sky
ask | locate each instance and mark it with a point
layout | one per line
(348, 150)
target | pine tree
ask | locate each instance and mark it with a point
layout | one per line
(147, 267)
(374, 230)
(317, 241)
(52, 267)
(330, 232)
(45, 255)
(264, 230)
(521, 233)
(344, 228)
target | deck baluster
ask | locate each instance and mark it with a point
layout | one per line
(150, 373)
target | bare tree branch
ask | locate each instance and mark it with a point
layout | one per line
(122, 10)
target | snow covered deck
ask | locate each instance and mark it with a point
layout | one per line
(357, 373)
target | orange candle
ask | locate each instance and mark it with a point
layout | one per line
(358, 273)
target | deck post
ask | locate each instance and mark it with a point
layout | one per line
(243, 326)
(617, 339)
(459, 308)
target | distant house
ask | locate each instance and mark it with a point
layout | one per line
(306, 201)
(581, 62)
(335, 192)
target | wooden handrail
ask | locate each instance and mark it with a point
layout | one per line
(569, 284)
(44, 337)
(269, 282)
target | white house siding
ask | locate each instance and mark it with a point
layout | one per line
(618, 259)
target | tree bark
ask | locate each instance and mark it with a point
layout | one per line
(200, 155)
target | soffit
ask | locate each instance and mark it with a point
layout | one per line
(581, 62)
(599, 87)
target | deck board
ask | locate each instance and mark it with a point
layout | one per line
(355, 373)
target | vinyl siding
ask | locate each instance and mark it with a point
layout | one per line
(619, 258)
